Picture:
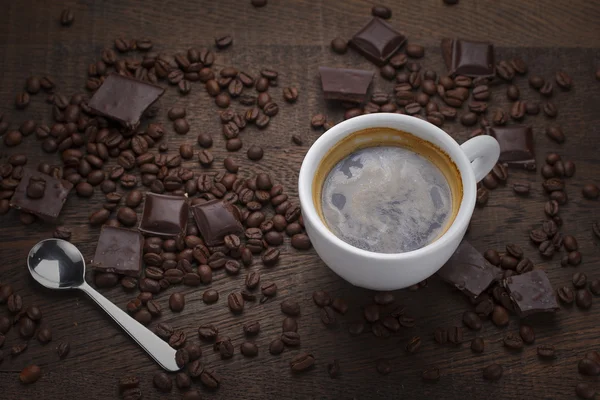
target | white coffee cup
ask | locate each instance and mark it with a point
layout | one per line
(379, 271)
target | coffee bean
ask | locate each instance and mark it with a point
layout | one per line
(127, 216)
(588, 367)
(302, 362)
(339, 45)
(14, 138)
(482, 196)
(415, 50)
(300, 241)
(527, 334)
(252, 279)
(205, 158)
(289, 325)
(570, 243)
(477, 345)
(30, 374)
(371, 312)
(162, 382)
(290, 307)
(17, 349)
(177, 302)
(328, 316)
(235, 302)
(500, 316)
(5, 324)
(590, 191)
(182, 357)
(290, 94)
(595, 287)
(579, 280)
(383, 366)
(225, 348)
(255, 153)
(222, 42)
(322, 299)
(105, 280)
(555, 133)
(583, 299)
(585, 390)
(381, 12)
(490, 182)
(546, 351)
(517, 111)
(181, 126)
(339, 305)
(546, 89)
(550, 109)
(14, 303)
(387, 72)
(492, 372)
(268, 289)
(472, 320)
(563, 80)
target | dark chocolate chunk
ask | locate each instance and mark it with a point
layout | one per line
(377, 41)
(516, 145)
(49, 205)
(469, 271)
(345, 84)
(119, 251)
(468, 58)
(124, 99)
(216, 219)
(164, 215)
(531, 293)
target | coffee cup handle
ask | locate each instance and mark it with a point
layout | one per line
(483, 152)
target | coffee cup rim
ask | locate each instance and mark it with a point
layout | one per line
(413, 126)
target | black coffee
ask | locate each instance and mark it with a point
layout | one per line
(386, 199)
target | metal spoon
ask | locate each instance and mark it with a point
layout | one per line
(57, 264)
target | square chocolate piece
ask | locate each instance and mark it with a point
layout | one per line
(345, 84)
(164, 215)
(531, 293)
(469, 58)
(119, 251)
(41, 195)
(377, 41)
(516, 145)
(124, 99)
(469, 271)
(215, 220)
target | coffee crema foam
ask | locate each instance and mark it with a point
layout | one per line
(387, 191)
(386, 199)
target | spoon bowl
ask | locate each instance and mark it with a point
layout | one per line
(58, 264)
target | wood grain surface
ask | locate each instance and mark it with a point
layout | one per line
(292, 37)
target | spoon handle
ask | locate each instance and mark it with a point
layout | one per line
(157, 348)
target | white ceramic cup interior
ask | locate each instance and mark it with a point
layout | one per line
(474, 160)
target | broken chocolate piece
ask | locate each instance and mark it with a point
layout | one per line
(516, 145)
(377, 41)
(469, 58)
(119, 251)
(124, 99)
(531, 293)
(469, 271)
(215, 220)
(345, 84)
(49, 195)
(164, 215)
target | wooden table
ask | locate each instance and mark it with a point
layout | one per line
(293, 37)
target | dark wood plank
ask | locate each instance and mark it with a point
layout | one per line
(293, 37)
